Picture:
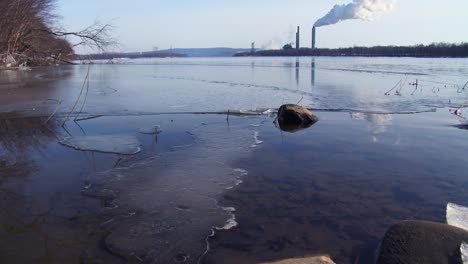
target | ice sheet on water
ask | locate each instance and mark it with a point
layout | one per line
(257, 141)
(457, 215)
(118, 144)
(151, 130)
(464, 252)
(172, 195)
(231, 222)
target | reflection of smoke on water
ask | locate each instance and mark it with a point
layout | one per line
(161, 209)
(378, 123)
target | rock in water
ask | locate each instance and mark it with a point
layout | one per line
(292, 118)
(422, 242)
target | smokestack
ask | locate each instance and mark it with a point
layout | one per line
(313, 37)
(297, 38)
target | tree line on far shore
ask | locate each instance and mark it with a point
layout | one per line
(435, 50)
(29, 34)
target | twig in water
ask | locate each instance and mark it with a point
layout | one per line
(66, 130)
(415, 83)
(84, 101)
(458, 111)
(398, 91)
(398, 83)
(300, 100)
(463, 88)
(88, 117)
(79, 96)
(415, 89)
(81, 128)
(55, 111)
(402, 83)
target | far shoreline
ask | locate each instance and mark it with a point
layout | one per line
(439, 50)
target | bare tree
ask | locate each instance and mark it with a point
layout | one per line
(28, 32)
(19, 19)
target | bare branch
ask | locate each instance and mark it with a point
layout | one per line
(95, 36)
(29, 33)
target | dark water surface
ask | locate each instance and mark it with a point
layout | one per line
(214, 190)
(335, 188)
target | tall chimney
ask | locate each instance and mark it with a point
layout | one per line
(313, 37)
(297, 38)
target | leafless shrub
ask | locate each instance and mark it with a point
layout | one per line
(28, 33)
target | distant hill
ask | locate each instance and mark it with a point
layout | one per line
(206, 52)
(130, 55)
(179, 52)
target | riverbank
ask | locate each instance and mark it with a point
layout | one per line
(419, 51)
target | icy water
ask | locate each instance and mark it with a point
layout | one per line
(154, 170)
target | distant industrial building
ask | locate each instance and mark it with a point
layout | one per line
(298, 37)
(313, 37)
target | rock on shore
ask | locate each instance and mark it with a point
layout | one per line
(422, 242)
(306, 260)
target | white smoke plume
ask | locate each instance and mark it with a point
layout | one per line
(273, 44)
(358, 9)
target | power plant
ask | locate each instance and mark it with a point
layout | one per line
(297, 37)
(358, 9)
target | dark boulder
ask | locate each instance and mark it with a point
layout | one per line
(292, 118)
(422, 242)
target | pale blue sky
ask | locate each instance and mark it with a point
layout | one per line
(143, 24)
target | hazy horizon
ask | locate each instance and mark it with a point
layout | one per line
(270, 24)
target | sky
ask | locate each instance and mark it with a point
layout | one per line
(141, 25)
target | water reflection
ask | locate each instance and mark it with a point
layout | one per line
(377, 123)
(327, 180)
(18, 138)
(296, 68)
(462, 126)
(292, 128)
(336, 193)
(312, 72)
(36, 92)
(20, 216)
(297, 72)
